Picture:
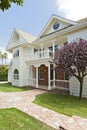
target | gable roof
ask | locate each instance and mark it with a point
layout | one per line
(83, 20)
(19, 37)
(28, 37)
(69, 22)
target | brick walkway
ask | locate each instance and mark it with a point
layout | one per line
(23, 101)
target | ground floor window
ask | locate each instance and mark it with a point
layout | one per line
(16, 74)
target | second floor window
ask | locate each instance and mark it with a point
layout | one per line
(51, 48)
(56, 47)
(35, 50)
(16, 53)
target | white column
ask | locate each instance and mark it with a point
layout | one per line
(37, 76)
(53, 42)
(27, 75)
(31, 76)
(53, 48)
(32, 53)
(49, 86)
(41, 51)
(31, 72)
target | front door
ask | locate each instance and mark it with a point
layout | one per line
(43, 75)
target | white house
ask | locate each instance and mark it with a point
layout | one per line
(30, 64)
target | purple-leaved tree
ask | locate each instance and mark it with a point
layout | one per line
(73, 58)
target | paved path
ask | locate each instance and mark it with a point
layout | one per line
(23, 101)
(1, 82)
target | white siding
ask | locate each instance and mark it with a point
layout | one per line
(81, 34)
(19, 64)
(75, 87)
(22, 67)
(10, 74)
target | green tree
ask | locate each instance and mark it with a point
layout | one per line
(6, 4)
(3, 56)
(3, 73)
(0, 54)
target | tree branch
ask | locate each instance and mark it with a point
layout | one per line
(77, 76)
(84, 74)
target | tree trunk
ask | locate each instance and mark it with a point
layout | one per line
(81, 88)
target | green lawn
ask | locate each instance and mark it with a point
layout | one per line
(14, 119)
(65, 104)
(6, 87)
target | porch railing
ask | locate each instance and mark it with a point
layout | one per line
(40, 55)
(60, 84)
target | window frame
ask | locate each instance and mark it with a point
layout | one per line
(16, 53)
(16, 74)
(41, 73)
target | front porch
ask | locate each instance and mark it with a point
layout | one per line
(44, 77)
(59, 84)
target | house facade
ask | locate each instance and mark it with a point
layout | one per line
(31, 56)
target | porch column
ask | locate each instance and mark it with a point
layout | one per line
(49, 85)
(32, 53)
(31, 76)
(27, 75)
(31, 72)
(53, 42)
(41, 51)
(37, 76)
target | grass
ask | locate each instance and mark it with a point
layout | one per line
(64, 104)
(6, 87)
(14, 119)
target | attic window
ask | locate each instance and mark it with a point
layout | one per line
(56, 26)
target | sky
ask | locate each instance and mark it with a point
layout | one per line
(34, 14)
